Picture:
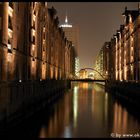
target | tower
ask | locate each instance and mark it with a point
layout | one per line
(72, 34)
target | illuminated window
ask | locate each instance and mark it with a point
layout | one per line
(9, 57)
(33, 36)
(51, 70)
(132, 58)
(33, 24)
(125, 73)
(43, 70)
(10, 33)
(43, 41)
(10, 11)
(132, 49)
(46, 4)
(130, 19)
(43, 29)
(9, 46)
(34, 17)
(33, 32)
(33, 47)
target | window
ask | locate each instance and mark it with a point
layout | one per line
(18, 7)
(10, 23)
(33, 40)
(11, 4)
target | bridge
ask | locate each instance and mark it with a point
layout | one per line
(89, 79)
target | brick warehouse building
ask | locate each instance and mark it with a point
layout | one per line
(35, 56)
(31, 43)
(122, 57)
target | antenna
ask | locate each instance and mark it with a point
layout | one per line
(66, 18)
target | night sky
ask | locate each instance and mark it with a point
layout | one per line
(97, 22)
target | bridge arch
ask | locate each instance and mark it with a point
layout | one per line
(93, 70)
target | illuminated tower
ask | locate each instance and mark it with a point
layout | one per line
(72, 34)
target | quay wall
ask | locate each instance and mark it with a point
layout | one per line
(128, 91)
(20, 100)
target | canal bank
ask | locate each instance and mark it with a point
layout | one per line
(129, 92)
(20, 100)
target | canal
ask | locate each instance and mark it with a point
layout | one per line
(85, 111)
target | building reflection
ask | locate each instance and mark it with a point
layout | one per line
(60, 118)
(43, 132)
(100, 107)
(122, 122)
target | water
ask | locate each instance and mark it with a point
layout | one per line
(85, 111)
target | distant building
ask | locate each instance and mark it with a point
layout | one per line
(69, 60)
(83, 74)
(98, 66)
(72, 34)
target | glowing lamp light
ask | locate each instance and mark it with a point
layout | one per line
(10, 33)
(66, 25)
(46, 4)
(10, 11)
(34, 17)
(9, 46)
(33, 47)
(43, 29)
(9, 57)
(33, 32)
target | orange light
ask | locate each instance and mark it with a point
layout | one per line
(10, 33)
(10, 11)
(9, 57)
(34, 17)
(33, 47)
(33, 32)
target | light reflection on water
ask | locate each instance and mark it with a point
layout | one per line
(123, 123)
(75, 105)
(88, 111)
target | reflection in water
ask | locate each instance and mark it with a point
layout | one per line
(43, 132)
(75, 105)
(67, 132)
(123, 123)
(83, 85)
(88, 111)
